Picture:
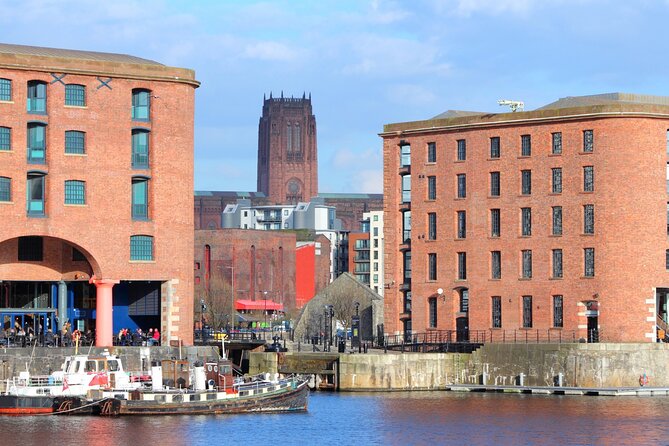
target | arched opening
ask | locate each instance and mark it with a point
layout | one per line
(462, 315)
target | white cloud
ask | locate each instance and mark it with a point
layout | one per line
(494, 7)
(270, 51)
(386, 12)
(392, 57)
(356, 171)
(410, 94)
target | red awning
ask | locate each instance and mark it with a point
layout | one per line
(262, 305)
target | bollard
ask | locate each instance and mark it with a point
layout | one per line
(484, 379)
(521, 379)
(560, 379)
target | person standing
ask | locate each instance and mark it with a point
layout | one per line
(156, 336)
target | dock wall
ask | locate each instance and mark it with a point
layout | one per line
(578, 365)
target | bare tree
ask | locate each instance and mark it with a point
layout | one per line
(217, 298)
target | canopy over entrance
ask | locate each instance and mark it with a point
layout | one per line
(262, 305)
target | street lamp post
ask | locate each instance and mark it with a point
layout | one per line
(265, 325)
(329, 313)
(355, 327)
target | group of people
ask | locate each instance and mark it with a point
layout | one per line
(138, 337)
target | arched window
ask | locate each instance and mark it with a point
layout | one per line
(36, 143)
(75, 192)
(140, 198)
(141, 104)
(140, 149)
(35, 193)
(141, 247)
(289, 138)
(75, 95)
(75, 142)
(297, 139)
(36, 97)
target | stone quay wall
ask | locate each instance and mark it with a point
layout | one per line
(579, 365)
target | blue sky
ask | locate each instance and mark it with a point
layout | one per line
(365, 62)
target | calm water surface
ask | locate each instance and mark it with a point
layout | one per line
(418, 418)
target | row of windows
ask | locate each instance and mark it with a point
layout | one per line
(558, 311)
(496, 310)
(75, 193)
(495, 147)
(75, 143)
(31, 249)
(496, 223)
(526, 264)
(496, 187)
(75, 95)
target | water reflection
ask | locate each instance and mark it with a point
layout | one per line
(420, 418)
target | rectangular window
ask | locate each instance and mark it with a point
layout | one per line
(496, 312)
(557, 263)
(5, 90)
(431, 188)
(75, 142)
(432, 266)
(464, 300)
(525, 145)
(462, 266)
(141, 247)
(589, 257)
(462, 224)
(667, 259)
(496, 264)
(494, 184)
(31, 249)
(527, 311)
(75, 192)
(36, 143)
(431, 152)
(495, 223)
(407, 266)
(406, 189)
(526, 217)
(462, 149)
(526, 182)
(432, 304)
(5, 189)
(406, 226)
(36, 97)
(527, 263)
(557, 180)
(588, 179)
(588, 141)
(140, 149)
(462, 185)
(557, 311)
(75, 95)
(35, 195)
(405, 155)
(557, 143)
(5, 138)
(140, 199)
(494, 147)
(432, 226)
(141, 103)
(557, 220)
(589, 219)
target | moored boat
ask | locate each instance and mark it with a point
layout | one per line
(213, 391)
(69, 390)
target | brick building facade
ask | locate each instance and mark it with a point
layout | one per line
(101, 195)
(550, 222)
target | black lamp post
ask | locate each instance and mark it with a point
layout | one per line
(355, 327)
(329, 313)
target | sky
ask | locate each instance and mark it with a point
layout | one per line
(365, 63)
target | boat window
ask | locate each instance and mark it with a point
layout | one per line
(113, 366)
(225, 370)
(209, 368)
(66, 366)
(90, 366)
(77, 367)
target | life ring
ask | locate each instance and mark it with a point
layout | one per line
(643, 380)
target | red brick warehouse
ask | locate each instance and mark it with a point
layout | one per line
(97, 212)
(550, 222)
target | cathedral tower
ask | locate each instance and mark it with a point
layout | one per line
(287, 160)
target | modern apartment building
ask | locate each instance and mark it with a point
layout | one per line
(96, 192)
(550, 222)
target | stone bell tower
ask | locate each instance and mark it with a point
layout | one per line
(287, 153)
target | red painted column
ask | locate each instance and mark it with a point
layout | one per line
(104, 329)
